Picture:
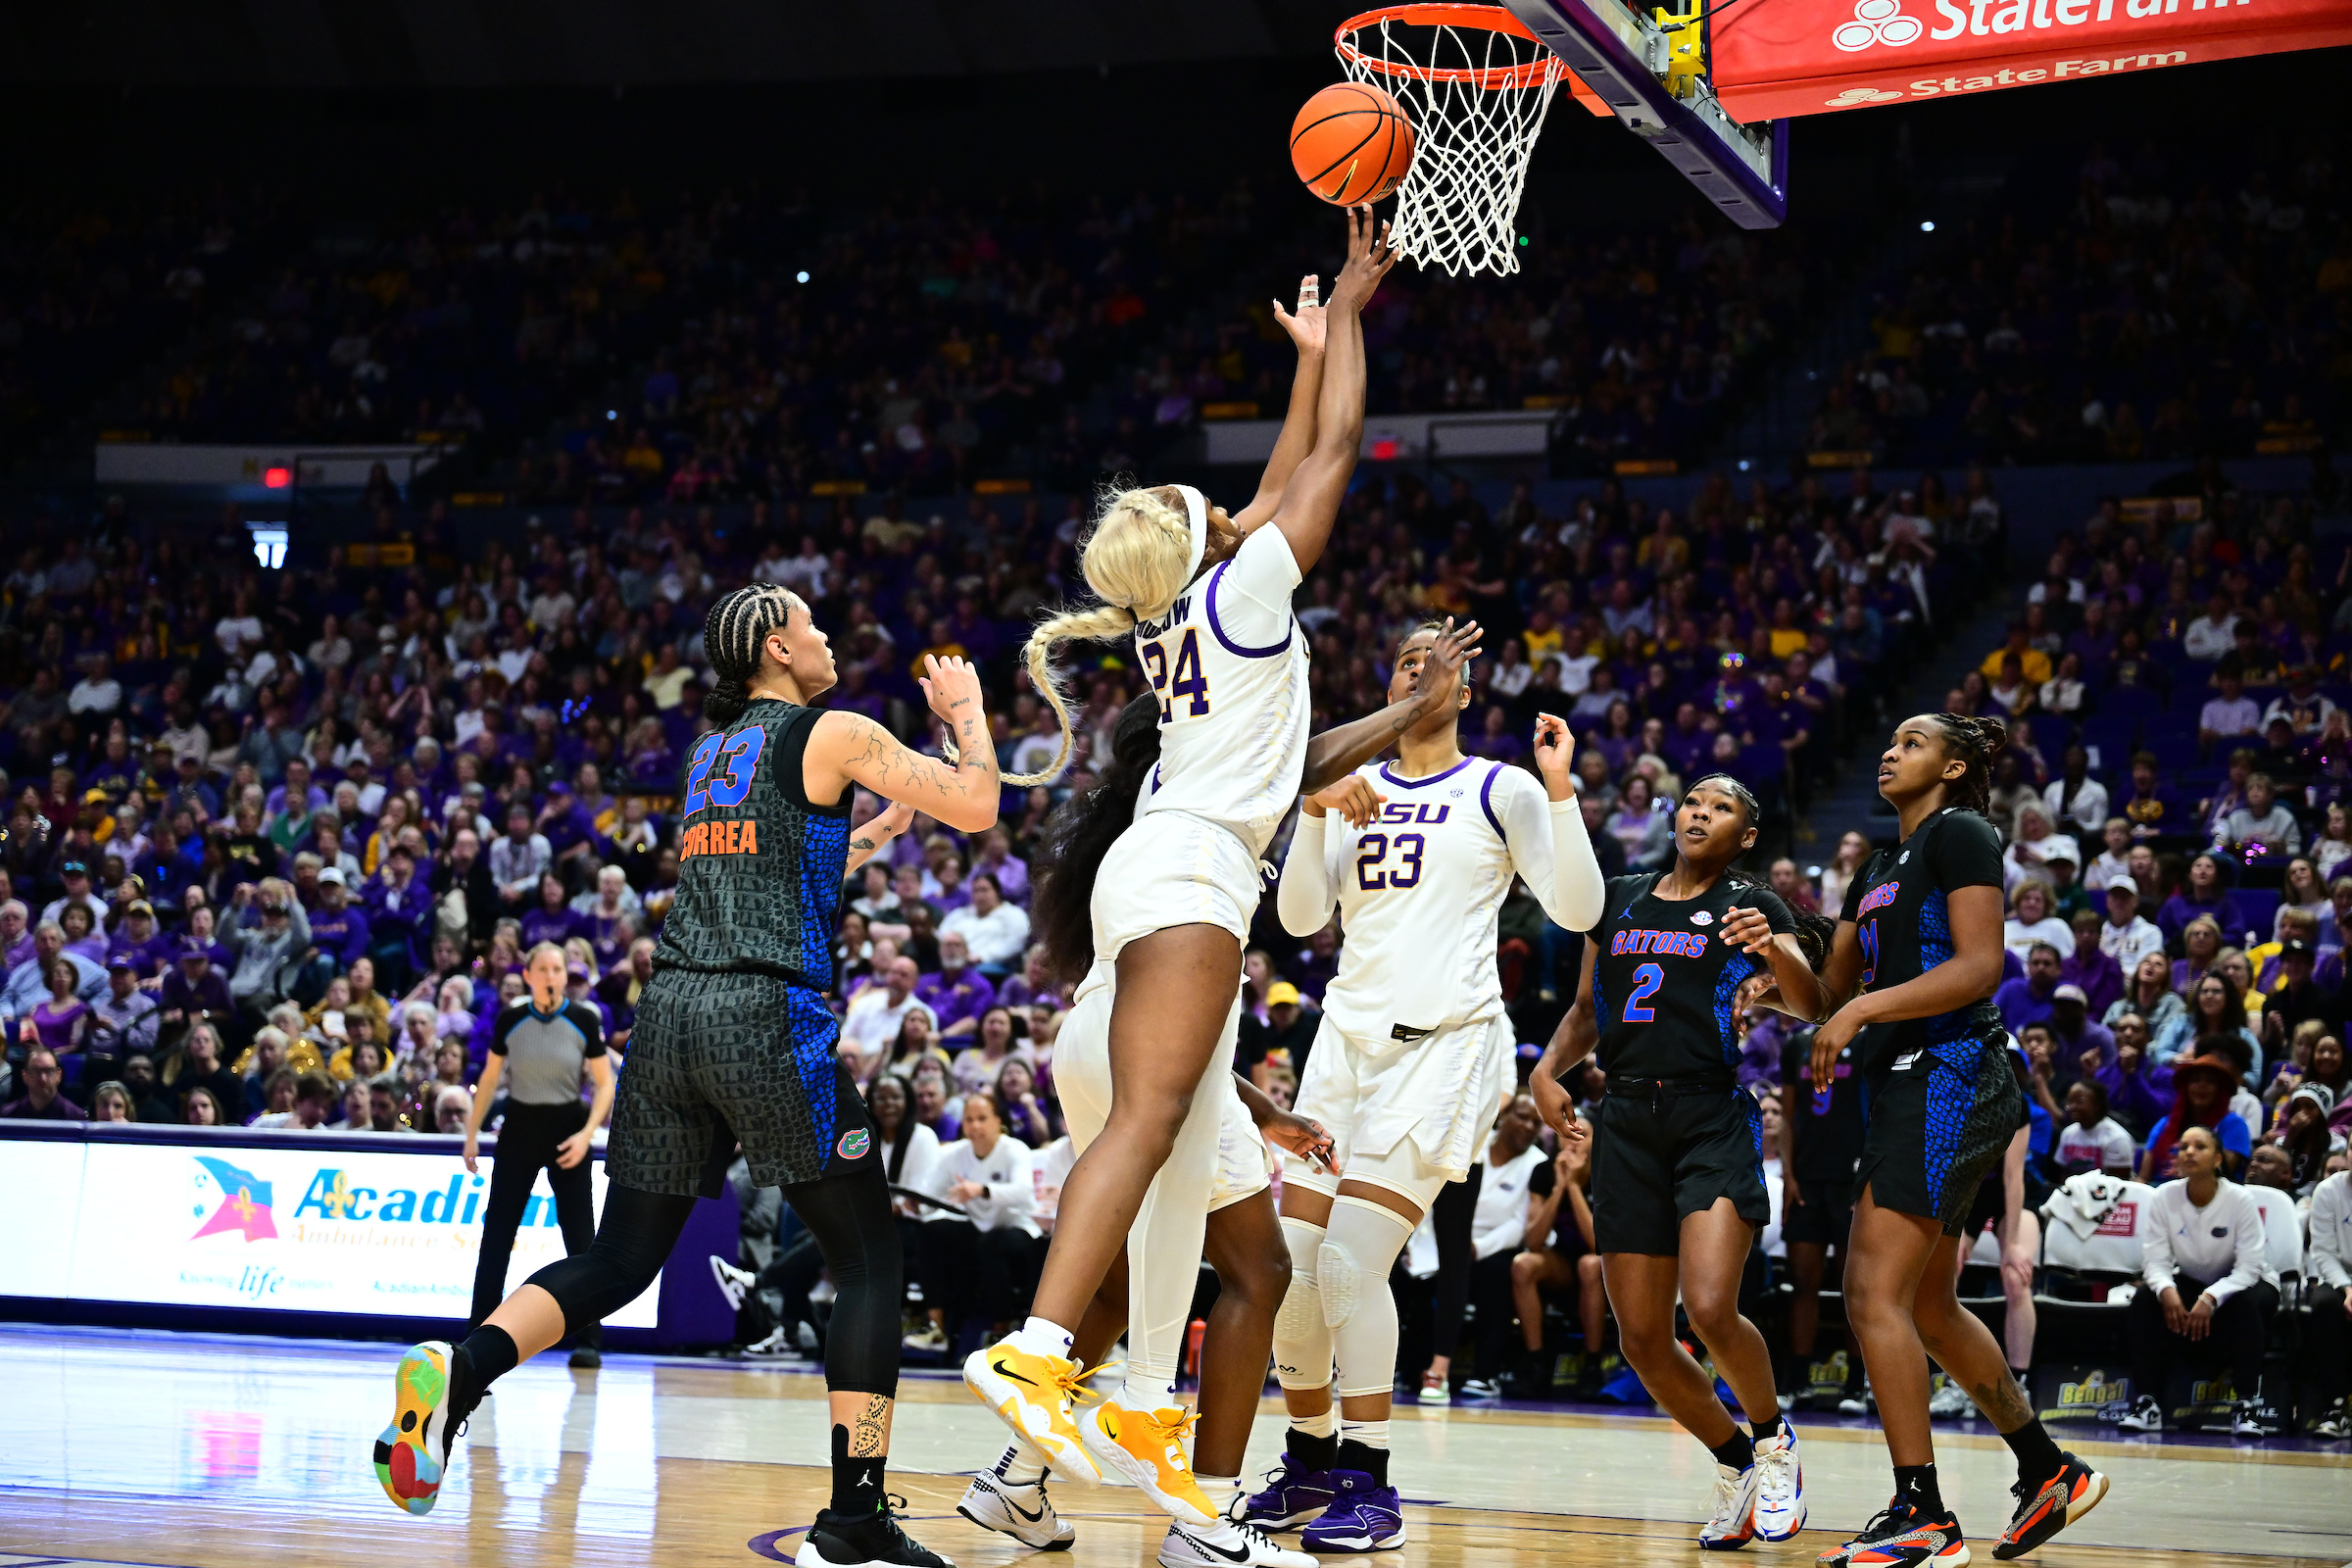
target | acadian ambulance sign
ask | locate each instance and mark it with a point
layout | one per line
(277, 1228)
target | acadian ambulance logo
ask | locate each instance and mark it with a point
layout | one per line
(855, 1142)
(1875, 22)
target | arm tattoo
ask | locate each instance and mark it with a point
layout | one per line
(866, 845)
(870, 1433)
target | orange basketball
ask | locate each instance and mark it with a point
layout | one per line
(1351, 144)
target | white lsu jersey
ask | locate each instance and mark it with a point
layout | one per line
(1229, 667)
(1419, 890)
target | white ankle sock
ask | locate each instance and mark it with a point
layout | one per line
(1021, 1465)
(1220, 1491)
(1042, 1337)
(1326, 1424)
(1371, 1434)
(1145, 1394)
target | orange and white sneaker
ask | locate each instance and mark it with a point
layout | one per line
(1036, 1395)
(1147, 1448)
(2047, 1507)
(1903, 1536)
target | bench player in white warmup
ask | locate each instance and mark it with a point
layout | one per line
(1409, 1070)
(1206, 598)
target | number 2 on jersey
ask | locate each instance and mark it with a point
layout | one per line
(1188, 682)
(1646, 981)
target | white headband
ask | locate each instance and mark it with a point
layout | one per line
(1195, 509)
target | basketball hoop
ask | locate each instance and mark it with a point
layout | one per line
(1476, 83)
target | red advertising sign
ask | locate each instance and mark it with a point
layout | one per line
(1807, 57)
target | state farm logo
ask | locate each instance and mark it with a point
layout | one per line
(1877, 22)
(1854, 96)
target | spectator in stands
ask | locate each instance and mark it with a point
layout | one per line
(981, 1262)
(2208, 1276)
(993, 929)
(2032, 922)
(2124, 936)
(2328, 1338)
(2112, 865)
(2075, 800)
(957, 993)
(977, 1068)
(29, 982)
(2154, 808)
(1853, 850)
(1497, 1228)
(2203, 1084)
(60, 1020)
(41, 1101)
(110, 1102)
(2262, 828)
(194, 992)
(2092, 1139)
(875, 1014)
(126, 1020)
(2229, 717)
(2027, 998)
(2072, 1030)
(2091, 967)
(269, 933)
(2205, 892)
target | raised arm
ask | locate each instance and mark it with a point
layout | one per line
(1297, 436)
(849, 748)
(1310, 501)
(1550, 846)
(1340, 750)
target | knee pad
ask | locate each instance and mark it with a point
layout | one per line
(1302, 1343)
(1340, 1282)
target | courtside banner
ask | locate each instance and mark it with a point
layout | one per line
(1807, 57)
(279, 1228)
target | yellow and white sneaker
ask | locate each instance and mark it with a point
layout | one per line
(1147, 1448)
(1035, 1396)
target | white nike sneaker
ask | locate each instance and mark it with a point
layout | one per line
(1227, 1545)
(1951, 1401)
(1731, 1514)
(1780, 1486)
(733, 1283)
(1020, 1510)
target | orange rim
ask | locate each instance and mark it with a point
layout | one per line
(1489, 19)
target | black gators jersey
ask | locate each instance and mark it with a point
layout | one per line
(1665, 984)
(759, 868)
(1901, 914)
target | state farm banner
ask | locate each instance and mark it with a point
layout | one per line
(1807, 57)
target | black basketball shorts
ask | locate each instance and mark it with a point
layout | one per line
(717, 1059)
(1653, 1162)
(1941, 1118)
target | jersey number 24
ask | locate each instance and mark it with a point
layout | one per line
(1185, 683)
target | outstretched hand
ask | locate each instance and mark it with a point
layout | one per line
(1369, 257)
(1453, 648)
(1555, 753)
(1306, 327)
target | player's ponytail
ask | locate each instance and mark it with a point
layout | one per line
(733, 634)
(1137, 559)
(1974, 742)
(1080, 832)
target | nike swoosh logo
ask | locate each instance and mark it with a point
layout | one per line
(1023, 1512)
(1240, 1557)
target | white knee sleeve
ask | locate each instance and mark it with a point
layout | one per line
(1301, 1340)
(1361, 1243)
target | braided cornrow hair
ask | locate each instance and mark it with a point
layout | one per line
(733, 634)
(1975, 742)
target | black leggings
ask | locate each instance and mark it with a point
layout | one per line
(526, 1145)
(850, 1217)
(1451, 1215)
(2236, 1336)
(1498, 1318)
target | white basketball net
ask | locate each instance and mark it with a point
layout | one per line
(1476, 91)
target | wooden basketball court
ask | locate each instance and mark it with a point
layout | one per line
(214, 1452)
